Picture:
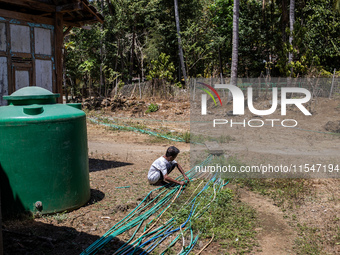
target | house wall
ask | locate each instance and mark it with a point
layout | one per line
(3, 79)
(26, 56)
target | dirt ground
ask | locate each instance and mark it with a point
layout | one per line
(119, 162)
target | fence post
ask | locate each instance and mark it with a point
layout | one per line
(193, 96)
(330, 92)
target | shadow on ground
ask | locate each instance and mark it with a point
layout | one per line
(36, 238)
(96, 196)
(101, 164)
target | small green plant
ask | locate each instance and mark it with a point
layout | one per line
(178, 85)
(105, 120)
(186, 137)
(152, 108)
(60, 217)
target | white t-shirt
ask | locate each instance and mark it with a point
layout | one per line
(160, 165)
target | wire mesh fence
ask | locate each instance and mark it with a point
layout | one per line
(156, 88)
(318, 87)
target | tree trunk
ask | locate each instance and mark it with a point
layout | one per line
(90, 86)
(142, 65)
(122, 65)
(116, 66)
(291, 28)
(110, 7)
(284, 20)
(73, 88)
(84, 94)
(132, 53)
(181, 57)
(234, 61)
(221, 66)
(101, 59)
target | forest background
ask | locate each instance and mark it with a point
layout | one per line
(139, 42)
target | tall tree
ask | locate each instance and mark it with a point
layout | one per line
(291, 28)
(284, 20)
(234, 56)
(101, 73)
(181, 57)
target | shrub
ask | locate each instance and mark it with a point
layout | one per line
(152, 108)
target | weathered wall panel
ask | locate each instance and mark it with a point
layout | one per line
(22, 79)
(42, 39)
(2, 36)
(20, 38)
(43, 72)
(3, 80)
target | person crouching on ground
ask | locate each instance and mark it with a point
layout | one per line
(163, 166)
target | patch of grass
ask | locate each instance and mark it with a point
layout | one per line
(158, 139)
(309, 241)
(290, 194)
(231, 222)
(131, 126)
(60, 217)
(173, 135)
(202, 138)
(105, 120)
(286, 193)
(184, 158)
(197, 138)
(186, 136)
(336, 237)
(294, 217)
(225, 139)
(118, 129)
(332, 235)
(137, 125)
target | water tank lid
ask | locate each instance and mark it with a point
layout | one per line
(31, 95)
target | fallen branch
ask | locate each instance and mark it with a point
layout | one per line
(206, 245)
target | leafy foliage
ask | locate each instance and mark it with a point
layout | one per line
(138, 40)
(152, 108)
(161, 68)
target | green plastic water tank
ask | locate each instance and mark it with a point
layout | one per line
(43, 153)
